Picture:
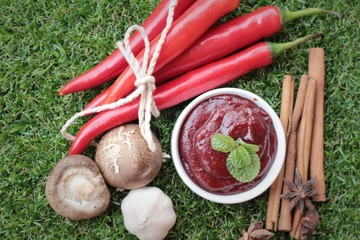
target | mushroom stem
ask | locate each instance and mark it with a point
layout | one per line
(85, 190)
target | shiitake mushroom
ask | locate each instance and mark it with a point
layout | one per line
(76, 188)
(125, 160)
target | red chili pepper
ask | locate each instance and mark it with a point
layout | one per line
(231, 36)
(185, 87)
(115, 63)
(184, 32)
(224, 39)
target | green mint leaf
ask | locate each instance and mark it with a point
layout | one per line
(239, 157)
(242, 165)
(252, 148)
(222, 143)
(254, 167)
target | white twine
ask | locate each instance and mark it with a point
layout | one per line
(145, 82)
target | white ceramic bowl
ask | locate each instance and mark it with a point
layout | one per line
(265, 183)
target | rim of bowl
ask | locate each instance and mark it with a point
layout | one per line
(270, 176)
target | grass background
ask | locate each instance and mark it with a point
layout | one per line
(46, 43)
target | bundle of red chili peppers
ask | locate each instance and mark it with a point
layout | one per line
(197, 56)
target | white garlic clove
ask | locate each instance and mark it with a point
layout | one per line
(148, 213)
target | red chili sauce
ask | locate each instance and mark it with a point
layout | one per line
(234, 116)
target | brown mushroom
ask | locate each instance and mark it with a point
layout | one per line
(76, 188)
(125, 160)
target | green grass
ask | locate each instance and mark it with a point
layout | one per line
(46, 43)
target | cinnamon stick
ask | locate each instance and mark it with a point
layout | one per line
(301, 139)
(305, 130)
(309, 114)
(316, 69)
(298, 231)
(304, 144)
(285, 219)
(287, 102)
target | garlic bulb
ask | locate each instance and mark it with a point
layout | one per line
(148, 213)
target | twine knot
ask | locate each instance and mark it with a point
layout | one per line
(145, 82)
(149, 81)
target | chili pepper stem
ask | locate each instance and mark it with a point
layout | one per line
(278, 48)
(288, 16)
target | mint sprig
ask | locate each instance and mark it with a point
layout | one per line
(243, 163)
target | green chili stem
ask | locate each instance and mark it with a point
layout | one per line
(288, 16)
(277, 48)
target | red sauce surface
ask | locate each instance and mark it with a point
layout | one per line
(234, 116)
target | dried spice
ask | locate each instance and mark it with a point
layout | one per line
(309, 223)
(256, 232)
(299, 194)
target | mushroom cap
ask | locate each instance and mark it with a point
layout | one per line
(76, 188)
(125, 159)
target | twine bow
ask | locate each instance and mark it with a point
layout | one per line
(145, 82)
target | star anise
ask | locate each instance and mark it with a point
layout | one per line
(256, 232)
(299, 194)
(309, 223)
